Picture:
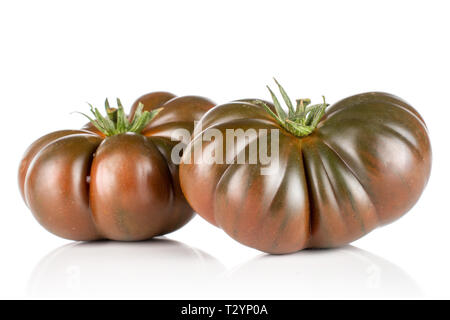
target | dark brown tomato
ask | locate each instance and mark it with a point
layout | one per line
(56, 186)
(365, 165)
(125, 209)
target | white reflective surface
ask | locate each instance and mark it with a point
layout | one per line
(169, 269)
(347, 272)
(158, 269)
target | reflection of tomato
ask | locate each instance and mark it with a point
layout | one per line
(82, 185)
(365, 165)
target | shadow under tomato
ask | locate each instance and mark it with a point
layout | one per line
(342, 273)
(154, 269)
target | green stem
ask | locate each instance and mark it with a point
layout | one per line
(117, 122)
(300, 122)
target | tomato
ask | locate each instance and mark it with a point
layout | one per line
(122, 184)
(342, 170)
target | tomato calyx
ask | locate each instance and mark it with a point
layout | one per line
(300, 121)
(117, 122)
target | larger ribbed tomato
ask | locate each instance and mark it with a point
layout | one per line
(362, 165)
(115, 180)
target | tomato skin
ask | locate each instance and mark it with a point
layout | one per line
(153, 100)
(365, 165)
(82, 185)
(134, 202)
(56, 189)
(33, 149)
(92, 129)
(178, 113)
(181, 212)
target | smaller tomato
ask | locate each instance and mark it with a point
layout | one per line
(115, 178)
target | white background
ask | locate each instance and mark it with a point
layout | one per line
(56, 55)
